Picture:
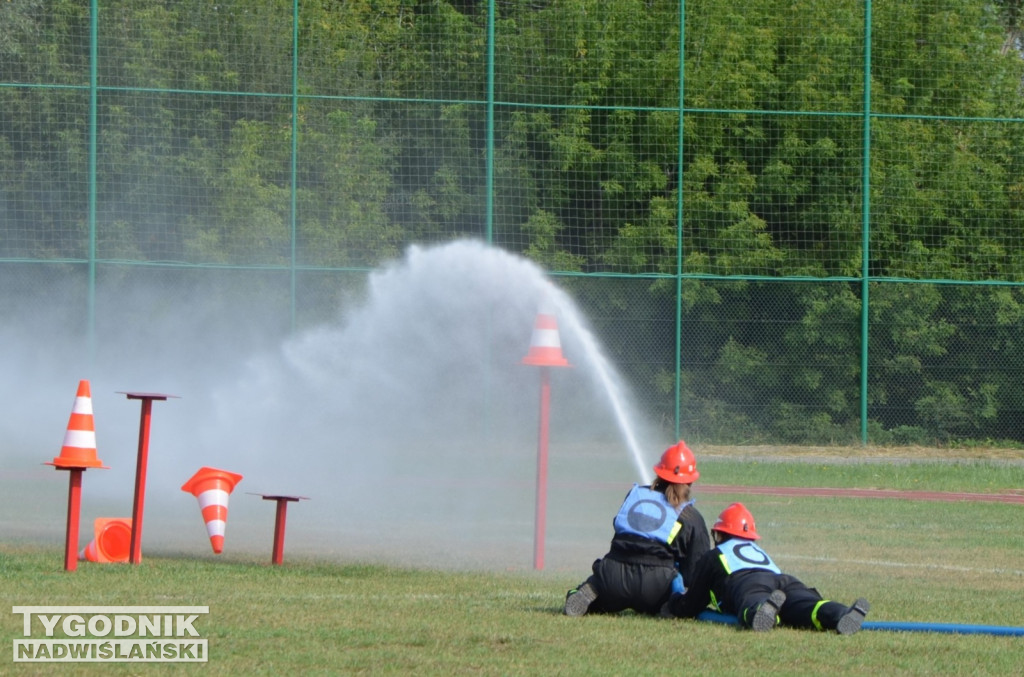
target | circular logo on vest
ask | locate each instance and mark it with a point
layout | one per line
(748, 552)
(646, 516)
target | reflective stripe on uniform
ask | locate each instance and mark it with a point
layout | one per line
(714, 602)
(675, 532)
(814, 615)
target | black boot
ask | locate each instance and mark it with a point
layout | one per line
(577, 601)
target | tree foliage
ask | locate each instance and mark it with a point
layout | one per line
(211, 151)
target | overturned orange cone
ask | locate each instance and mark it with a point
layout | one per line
(211, 487)
(79, 448)
(111, 542)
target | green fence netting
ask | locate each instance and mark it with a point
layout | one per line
(789, 222)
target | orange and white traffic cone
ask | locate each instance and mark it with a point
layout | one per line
(77, 454)
(211, 487)
(79, 449)
(545, 343)
(111, 542)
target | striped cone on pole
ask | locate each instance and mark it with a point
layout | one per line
(77, 454)
(545, 342)
(545, 352)
(211, 487)
(79, 448)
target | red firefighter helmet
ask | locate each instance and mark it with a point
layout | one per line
(677, 465)
(736, 520)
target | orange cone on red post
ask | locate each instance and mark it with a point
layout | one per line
(112, 538)
(212, 487)
(545, 342)
(545, 351)
(77, 454)
(79, 448)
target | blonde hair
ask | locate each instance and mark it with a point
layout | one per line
(676, 494)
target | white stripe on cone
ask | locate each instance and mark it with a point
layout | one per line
(80, 439)
(212, 497)
(546, 338)
(215, 528)
(82, 405)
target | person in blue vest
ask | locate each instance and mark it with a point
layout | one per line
(738, 577)
(659, 536)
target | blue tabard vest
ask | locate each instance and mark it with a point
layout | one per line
(648, 513)
(739, 553)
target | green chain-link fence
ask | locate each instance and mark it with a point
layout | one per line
(790, 222)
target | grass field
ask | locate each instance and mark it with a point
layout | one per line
(916, 561)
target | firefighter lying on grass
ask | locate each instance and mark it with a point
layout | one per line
(659, 537)
(737, 577)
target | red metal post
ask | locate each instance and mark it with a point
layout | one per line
(277, 556)
(135, 549)
(74, 507)
(282, 515)
(542, 469)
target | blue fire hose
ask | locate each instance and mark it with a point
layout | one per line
(897, 626)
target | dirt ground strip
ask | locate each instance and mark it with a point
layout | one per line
(861, 454)
(1016, 496)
